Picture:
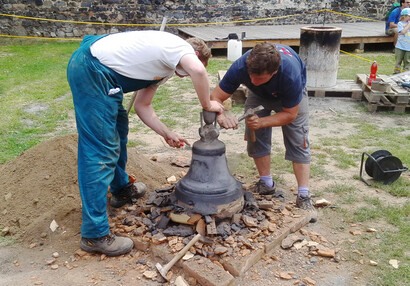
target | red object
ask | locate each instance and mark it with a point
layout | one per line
(131, 179)
(373, 71)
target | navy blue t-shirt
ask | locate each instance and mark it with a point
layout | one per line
(286, 85)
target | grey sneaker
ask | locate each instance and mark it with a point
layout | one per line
(128, 194)
(305, 203)
(109, 245)
(262, 189)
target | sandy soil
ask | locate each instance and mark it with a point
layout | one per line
(40, 186)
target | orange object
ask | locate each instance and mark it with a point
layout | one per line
(131, 179)
(373, 71)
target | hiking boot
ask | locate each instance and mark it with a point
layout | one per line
(109, 245)
(305, 203)
(262, 189)
(129, 194)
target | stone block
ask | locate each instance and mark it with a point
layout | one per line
(207, 273)
(237, 266)
(294, 225)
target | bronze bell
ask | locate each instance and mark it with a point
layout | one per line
(208, 188)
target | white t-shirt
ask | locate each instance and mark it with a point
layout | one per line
(403, 41)
(145, 55)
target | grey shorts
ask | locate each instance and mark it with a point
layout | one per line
(295, 134)
(391, 31)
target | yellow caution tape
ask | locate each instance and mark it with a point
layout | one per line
(192, 24)
(42, 38)
(355, 56)
(186, 24)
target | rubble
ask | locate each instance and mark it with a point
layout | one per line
(229, 246)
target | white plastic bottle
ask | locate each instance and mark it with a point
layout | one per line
(234, 49)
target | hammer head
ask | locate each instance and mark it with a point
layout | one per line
(250, 112)
(162, 271)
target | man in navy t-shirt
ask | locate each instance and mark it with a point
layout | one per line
(276, 79)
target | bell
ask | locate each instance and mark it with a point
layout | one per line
(208, 188)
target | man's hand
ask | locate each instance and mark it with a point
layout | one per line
(227, 122)
(174, 140)
(215, 107)
(253, 122)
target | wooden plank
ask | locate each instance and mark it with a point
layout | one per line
(385, 100)
(221, 74)
(342, 88)
(380, 106)
(399, 94)
(372, 96)
(362, 80)
(352, 33)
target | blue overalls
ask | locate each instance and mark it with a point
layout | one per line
(102, 125)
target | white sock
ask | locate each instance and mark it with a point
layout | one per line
(267, 180)
(304, 191)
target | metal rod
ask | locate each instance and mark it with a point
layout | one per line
(164, 22)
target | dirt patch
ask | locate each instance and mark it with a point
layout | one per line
(40, 186)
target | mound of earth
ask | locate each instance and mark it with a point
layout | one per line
(40, 186)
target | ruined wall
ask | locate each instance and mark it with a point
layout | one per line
(148, 14)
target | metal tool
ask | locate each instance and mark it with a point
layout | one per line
(164, 270)
(248, 113)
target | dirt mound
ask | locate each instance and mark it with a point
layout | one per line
(40, 186)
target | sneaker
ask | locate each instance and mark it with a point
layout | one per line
(128, 194)
(109, 245)
(305, 203)
(262, 189)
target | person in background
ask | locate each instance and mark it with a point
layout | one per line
(102, 69)
(402, 48)
(276, 78)
(392, 21)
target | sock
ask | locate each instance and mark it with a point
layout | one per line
(267, 180)
(304, 191)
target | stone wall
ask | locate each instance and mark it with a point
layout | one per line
(148, 14)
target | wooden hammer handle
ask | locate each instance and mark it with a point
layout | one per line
(253, 137)
(182, 252)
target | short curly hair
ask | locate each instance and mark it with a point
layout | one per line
(201, 47)
(263, 58)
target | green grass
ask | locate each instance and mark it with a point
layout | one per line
(32, 88)
(393, 244)
(360, 63)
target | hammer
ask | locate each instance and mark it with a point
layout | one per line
(164, 270)
(249, 113)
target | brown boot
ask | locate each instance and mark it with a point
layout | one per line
(128, 194)
(109, 245)
(305, 203)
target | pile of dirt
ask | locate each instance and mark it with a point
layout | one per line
(40, 186)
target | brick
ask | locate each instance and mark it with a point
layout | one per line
(237, 266)
(208, 273)
(294, 225)
(162, 251)
(141, 245)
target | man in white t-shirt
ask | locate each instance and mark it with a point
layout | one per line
(99, 73)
